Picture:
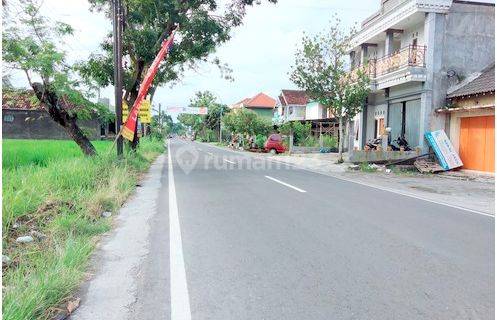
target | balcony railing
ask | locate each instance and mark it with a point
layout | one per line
(410, 56)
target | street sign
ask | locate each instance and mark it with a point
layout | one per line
(144, 113)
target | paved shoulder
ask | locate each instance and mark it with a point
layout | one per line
(114, 289)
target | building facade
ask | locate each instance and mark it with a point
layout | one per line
(262, 104)
(470, 120)
(291, 106)
(413, 52)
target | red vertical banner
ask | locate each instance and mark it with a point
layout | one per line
(129, 127)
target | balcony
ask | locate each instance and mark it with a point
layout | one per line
(407, 64)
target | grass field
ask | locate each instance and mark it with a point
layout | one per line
(18, 153)
(50, 187)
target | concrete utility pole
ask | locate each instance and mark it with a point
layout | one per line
(118, 80)
(221, 125)
(160, 118)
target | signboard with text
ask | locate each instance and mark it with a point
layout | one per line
(144, 113)
(444, 150)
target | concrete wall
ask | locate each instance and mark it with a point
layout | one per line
(469, 44)
(37, 124)
(462, 40)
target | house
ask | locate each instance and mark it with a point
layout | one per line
(291, 106)
(261, 104)
(470, 120)
(23, 118)
(413, 51)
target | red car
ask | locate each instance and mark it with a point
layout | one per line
(274, 144)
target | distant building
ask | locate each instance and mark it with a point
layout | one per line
(261, 104)
(24, 118)
(291, 106)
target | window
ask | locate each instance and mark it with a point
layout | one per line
(275, 137)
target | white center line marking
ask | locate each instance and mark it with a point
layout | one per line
(285, 184)
(180, 301)
(229, 161)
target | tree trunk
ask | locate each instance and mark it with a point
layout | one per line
(340, 139)
(63, 118)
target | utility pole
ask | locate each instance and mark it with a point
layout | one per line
(221, 125)
(160, 119)
(118, 80)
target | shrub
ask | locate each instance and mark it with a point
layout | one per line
(329, 141)
(309, 141)
(260, 140)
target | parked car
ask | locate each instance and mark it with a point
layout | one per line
(274, 144)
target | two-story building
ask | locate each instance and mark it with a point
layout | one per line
(413, 51)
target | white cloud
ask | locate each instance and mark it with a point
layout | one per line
(260, 52)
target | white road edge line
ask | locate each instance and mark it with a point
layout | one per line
(180, 300)
(365, 184)
(229, 161)
(285, 184)
(387, 189)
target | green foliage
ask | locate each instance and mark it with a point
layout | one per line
(320, 70)
(329, 141)
(53, 188)
(299, 130)
(260, 140)
(244, 121)
(34, 46)
(41, 153)
(203, 27)
(309, 141)
(366, 167)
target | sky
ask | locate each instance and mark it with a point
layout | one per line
(260, 52)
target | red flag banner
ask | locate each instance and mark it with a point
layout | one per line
(128, 130)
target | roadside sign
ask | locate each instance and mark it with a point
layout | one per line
(144, 113)
(444, 150)
(189, 110)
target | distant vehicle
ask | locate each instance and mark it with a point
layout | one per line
(274, 144)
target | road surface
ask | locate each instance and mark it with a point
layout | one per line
(233, 236)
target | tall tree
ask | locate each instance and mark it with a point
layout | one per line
(202, 27)
(33, 45)
(320, 69)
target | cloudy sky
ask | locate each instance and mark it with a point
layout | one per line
(260, 51)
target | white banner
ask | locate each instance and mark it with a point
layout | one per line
(188, 110)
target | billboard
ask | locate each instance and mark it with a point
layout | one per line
(444, 150)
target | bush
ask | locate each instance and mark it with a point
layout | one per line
(260, 140)
(309, 141)
(301, 131)
(329, 142)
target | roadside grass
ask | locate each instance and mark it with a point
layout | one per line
(53, 189)
(366, 167)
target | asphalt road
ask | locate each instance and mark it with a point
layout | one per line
(234, 236)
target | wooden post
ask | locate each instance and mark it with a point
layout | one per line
(320, 135)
